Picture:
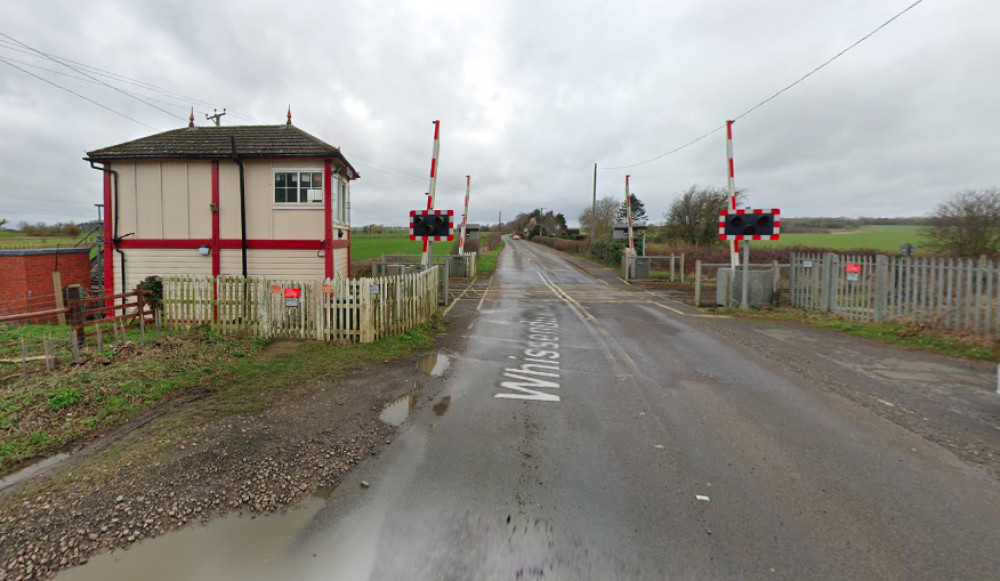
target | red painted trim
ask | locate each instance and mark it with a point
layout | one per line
(328, 218)
(109, 253)
(230, 244)
(216, 221)
(216, 235)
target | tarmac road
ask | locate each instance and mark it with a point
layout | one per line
(592, 430)
(649, 447)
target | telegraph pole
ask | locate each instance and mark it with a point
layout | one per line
(628, 207)
(432, 189)
(216, 117)
(593, 209)
(499, 221)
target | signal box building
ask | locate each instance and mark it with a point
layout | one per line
(176, 203)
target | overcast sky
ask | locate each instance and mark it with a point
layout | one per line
(530, 95)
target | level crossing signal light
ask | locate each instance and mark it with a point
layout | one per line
(432, 225)
(750, 224)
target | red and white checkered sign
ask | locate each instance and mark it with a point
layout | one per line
(777, 225)
(451, 225)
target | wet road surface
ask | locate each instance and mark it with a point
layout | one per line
(596, 431)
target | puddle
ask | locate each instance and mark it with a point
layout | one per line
(231, 547)
(434, 364)
(396, 412)
(31, 470)
(441, 407)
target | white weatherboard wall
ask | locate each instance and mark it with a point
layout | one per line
(340, 262)
(295, 264)
(140, 263)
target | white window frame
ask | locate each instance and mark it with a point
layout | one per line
(317, 205)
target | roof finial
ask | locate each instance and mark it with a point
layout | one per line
(289, 122)
(191, 119)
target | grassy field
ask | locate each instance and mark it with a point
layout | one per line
(365, 246)
(17, 240)
(486, 262)
(886, 238)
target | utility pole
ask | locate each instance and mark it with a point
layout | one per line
(465, 216)
(593, 209)
(500, 221)
(428, 245)
(216, 117)
(628, 207)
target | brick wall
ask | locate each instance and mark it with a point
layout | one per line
(26, 277)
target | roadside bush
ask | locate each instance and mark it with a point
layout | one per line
(608, 250)
(563, 244)
(492, 241)
(154, 284)
(470, 246)
(361, 268)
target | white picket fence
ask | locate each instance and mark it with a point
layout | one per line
(359, 310)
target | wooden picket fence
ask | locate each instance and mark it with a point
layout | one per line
(359, 310)
(958, 294)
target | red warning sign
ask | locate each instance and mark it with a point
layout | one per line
(853, 268)
(291, 293)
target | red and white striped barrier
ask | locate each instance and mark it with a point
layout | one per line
(432, 190)
(734, 246)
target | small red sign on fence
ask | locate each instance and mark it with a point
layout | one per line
(853, 268)
(291, 293)
(275, 289)
(328, 289)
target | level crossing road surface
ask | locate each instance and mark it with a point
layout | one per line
(592, 430)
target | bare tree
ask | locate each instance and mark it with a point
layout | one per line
(694, 216)
(967, 224)
(600, 222)
(2, 222)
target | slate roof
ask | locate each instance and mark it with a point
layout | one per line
(252, 141)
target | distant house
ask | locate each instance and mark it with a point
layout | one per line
(176, 203)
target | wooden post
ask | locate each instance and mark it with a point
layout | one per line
(57, 290)
(76, 347)
(697, 283)
(75, 313)
(672, 260)
(100, 339)
(24, 356)
(141, 306)
(682, 267)
(50, 363)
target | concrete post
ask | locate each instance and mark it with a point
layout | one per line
(745, 298)
(697, 283)
(826, 283)
(792, 280)
(775, 283)
(881, 287)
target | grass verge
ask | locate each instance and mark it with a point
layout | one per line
(486, 262)
(41, 414)
(910, 335)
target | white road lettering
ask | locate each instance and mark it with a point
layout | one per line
(540, 360)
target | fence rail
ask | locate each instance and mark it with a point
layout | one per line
(958, 294)
(359, 310)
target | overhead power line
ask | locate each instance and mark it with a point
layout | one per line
(145, 85)
(778, 93)
(84, 73)
(85, 98)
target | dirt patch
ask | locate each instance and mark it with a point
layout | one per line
(196, 459)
